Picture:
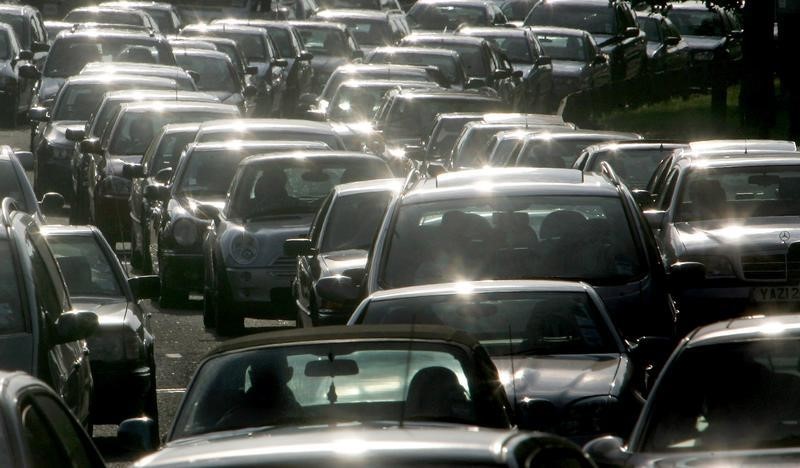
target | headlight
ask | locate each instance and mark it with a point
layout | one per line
(244, 248)
(717, 266)
(184, 231)
(61, 152)
(703, 55)
(591, 416)
(115, 186)
(115, 344)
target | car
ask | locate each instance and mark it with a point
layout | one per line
(247, 273)
(189, 43)
(299, 72)
(217, 75)
(14, 183)
(634, 161)
(269, 129)
(448, 15)
(122, 347)
(447, 67)
(48, 433)
(339, 238)
(111, 16)
(740, 232)
(171, 226)
(165, 15)
(77, 99)
(363, 5)
(227, 46)
(261, 53)
(371, 28)
(332, 45)
(579, 65)
(562, 213)
(556, 350)
(40, 331)
(124, 140)
(32, 35)
(73, 49)
(410, 446)
(184, 80)
(429, 374)
(613, 25)
(721, 377)
(669, 56)
(18, 75)
(54, 27)
(355, 102)
(446, 128)
(523, 51)
(560, 147)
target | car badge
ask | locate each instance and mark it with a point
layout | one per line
(784, 236)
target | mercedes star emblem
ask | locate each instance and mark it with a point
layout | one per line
(784, 236)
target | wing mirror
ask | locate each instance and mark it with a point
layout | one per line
(52, 203)
(501, 74)
(630, 32)
(684, 275)
(209, 211)
(655, 218)
(145, 287)
(307, 101)
(251, 70)
(599, 59)
(75, 325)
(90, 146)
(475, 83)
(133, 171)
(138, 434)
(607, 451)
(38, 114)
(672, 41)
(156, 192)
(358, 54)
(544, 60)
(280, 62)
(29, 71)
(25, 55)
(415, 152)
(305, 55)
(249, 91)
(298, 247)
(338, 288)
(163, 176)
(25, 158)
(37, 47)
(736, 34)
(643, 198)
(75, 135)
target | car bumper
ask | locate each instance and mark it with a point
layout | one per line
(260, 286)
(705, 305)
(120, 392)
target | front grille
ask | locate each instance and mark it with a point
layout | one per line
(284, 266)
(793, 261)
(764, 266)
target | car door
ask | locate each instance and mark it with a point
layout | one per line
(308, 267)
(65, 366)
(633, 49)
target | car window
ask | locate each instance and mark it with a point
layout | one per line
(166, 154)
(515, 47)
(697, 22)
(51, 297)
(633, 166)
(325, 41)
(283, 41)
(12, 318)
(558, 153)
(665, 197)
(319, 220)
(9, 183)
(44, 447)
(216, 73)
(17, 23)
(6, 50)
(86, 268)
(563, 47)
(353, 221)
(69, 436)
(596, 19)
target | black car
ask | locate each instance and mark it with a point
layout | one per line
(32, 35)
(164, 14)
(445, 66)
(526, 55)
(122, 348)
(614, 27)
(332, 45)
(173, 226)
(371, 28)
(18, 77)
(339, 239)
(669, 54)
(217, 75)
(73, 49)
(124, 140)
(449, 15)
(40, 332)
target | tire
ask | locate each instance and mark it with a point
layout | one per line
(229, 320)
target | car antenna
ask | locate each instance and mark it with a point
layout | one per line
(513, 371)
(408, 371)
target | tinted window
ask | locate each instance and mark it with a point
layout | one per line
(5, 46)
(69, 437)
(9, 183)
(12, 319)
(440, 16)
(168, 151)
(283, 41)
(515, 47)
(17, 23)
(43, 445)
(134, 131)
(697, 22)
(559, 153)
(448, 66)
(324, 41)
(67, 57)
(595, 19)
(633, 166)
(371, 33)
(566, 47)
(472, 56)
(86, 268)
(413, 118)
(354, 220)
(50, 297)
(216, 74)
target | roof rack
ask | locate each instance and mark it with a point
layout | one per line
(608, 172)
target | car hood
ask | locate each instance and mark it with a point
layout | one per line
(337, 262)
(755, 234)
(191, 204)
(560, 379)
(110, 312)
(269, 234)
(56, 132)
(704, 43)
(567, 68)
(49, 86)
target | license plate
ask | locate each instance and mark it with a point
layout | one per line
(777, 294)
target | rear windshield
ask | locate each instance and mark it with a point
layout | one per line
(697, 22)
(11, 318)
(67, 57)
(135, 130)
(215, 74)
(634, 167)
(563, 47)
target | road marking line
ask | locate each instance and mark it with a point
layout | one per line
(173, 355)
(170, 390)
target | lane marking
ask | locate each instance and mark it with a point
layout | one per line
(170, 390)
(173, 355)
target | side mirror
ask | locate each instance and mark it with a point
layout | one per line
(655, 218)
(307, 100)
(338, 288)
(138, 434)
(249, 91)
(77, 325)
(209, 211)
(517, 74)
(40, 47)
(736, 34)
(251, 70)
(133, 171)
(643, 197)
(475, 83)
(163, 176)
(501, 74)
(90, 146)
(52, 203)
(156, 192)
(672, 41)
(280, 62)
(607, 451)
(416, 153)
(145, 287)
(38, 114)
(305, 55)
(25, 158)
(25, 55)
(195, 76)
(683, 275)
(544, 60)
(75, 135)
(630, 32)
(358, 54)
(599, 59)
(298, 247)
(29, 71)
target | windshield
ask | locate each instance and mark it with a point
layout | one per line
(330, 139)
(370, 33)
(208, 174)
(11, 317)
(352, 104)
(594, 19)
(472, 57)
(517, 10)
(17, 23)
(134, 131)
(169, 148)
(67, 56)
(448, 66)
(516, 48)
(697, 22)
(708, 393)
(567, 47)
(440, 16)
(502, 151)
(232, 53)
(522, 237)
(327, 383)
(354, 220)
(216, 74)
(445, 134)
(252, 45)
(85, 266)
(163, 19)
(324, 41)
(529, 323)
(288, 186)
(283, 41)
(739, 192)
(559, 153)
(414, 118)
(634, 166)
(107, 17)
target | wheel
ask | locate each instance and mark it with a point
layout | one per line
(228, 319)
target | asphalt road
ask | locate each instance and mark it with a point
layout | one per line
(181, 342)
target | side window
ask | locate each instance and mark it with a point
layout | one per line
(47, 297)
(319, 220)
(42, 444)
(70, 438)
(665, 198)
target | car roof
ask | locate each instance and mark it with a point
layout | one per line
(415, 50)
(347, 13)
(746, 329)
(238, 28)
(455, 2)
(319, 25)
(666, 146)
(443, 38)
(504, 175)
(63, 229)
(13, 8)
(261, 23)
(250, 145)
(103, 78)
(311, 154)
(441, 93)
(578, 2)
(369, 186)
(160, 95)
(532, 119)
(277, 124)
(180, 127)
(345, 333)
(134, 4)
(139, 106)
(691, 5)
(380, 68)
(717, 145)
(207, 53)
(355, 83)
(744, 161)
(494, 31)
(578, 134)
(558, 31)
(104, 31)
(112, 66)
(478, 287)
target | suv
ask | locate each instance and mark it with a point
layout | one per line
(524, 224)
(40, 333)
